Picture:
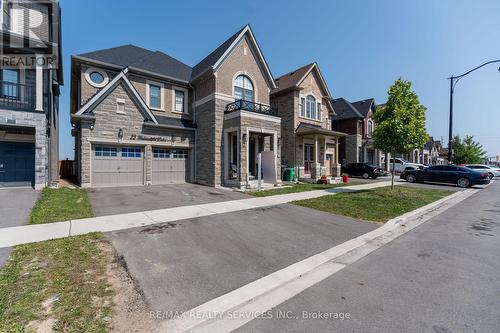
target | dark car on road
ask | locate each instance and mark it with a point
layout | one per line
(364, 170)
(451, 174)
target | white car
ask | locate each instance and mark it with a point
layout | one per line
(491, 170)
(403, 165)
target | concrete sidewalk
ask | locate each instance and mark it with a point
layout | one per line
(41, 232)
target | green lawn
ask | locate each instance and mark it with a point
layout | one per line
(295, 188)
(377, 205)
(61, 204)
(60, 283)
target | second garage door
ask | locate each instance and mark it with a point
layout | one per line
(170, 166)
(117, 166)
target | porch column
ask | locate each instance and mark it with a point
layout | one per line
(39, 88)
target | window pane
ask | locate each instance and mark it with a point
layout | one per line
(303, 107)
(243, 88)
(179, 101)
(154, 96)
(318, 113)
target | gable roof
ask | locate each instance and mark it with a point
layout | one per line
(87, 109)
(139, 58)
(364, 106)
(292, 79)
(215, 59)
(346, 110)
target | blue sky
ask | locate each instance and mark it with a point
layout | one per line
(360, 46)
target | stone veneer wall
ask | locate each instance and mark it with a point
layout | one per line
(205, 143)
(38, 121)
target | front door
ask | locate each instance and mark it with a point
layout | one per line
(308, 157)
(251, 156)
(328, 164)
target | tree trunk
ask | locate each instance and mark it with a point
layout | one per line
(392, 173)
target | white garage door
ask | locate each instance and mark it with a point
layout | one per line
(170, 166)
(117, 166)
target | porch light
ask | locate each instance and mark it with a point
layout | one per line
(120, 133)
(244, 137)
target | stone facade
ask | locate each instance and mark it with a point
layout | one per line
(37, 121)
(106, 124)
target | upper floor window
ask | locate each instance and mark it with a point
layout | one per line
(369, 130)
(10, 80)
(179, 101)
(310, 107)
(243, 88)
(154, 95)
(302, 107)
(96, 77)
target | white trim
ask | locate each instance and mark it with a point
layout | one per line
(186, 98)
(112, 84)
(249, 114)
(305, 106)
(212, 96)
(255, 45)
(252, 80)
(91, 70)
(141, 143)
(162, 94)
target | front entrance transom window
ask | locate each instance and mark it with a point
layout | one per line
(243, 88)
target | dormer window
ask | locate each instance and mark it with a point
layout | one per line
(243, 88)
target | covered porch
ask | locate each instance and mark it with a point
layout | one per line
(317, 152)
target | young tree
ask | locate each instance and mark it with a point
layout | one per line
(401, 122)
(468, 151)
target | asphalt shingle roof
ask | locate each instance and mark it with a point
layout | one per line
(364, 106)
(344, 109)
(291, 79)
(140, 58)
(212, 58)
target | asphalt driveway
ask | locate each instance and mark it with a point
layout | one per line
(15, 208)
(181, 265)
(121, 200)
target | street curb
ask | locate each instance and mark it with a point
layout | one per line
(281, 285)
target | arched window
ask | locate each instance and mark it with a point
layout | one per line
(243, 88)
(370, 128)
(310, 107)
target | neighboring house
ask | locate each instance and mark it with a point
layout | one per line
(428, 155)
(29, 95)
(355, 119)
(308, 142)
(143, 117)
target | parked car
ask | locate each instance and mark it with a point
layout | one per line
(492, 171)
(364, 170)
(401, 165)
(452, 174)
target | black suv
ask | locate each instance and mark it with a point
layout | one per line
(364, 170)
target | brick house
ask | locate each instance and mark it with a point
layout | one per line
(29, 94)
(143, 117)
(308, 142)
(355, 119)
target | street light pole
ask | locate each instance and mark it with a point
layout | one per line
(453, 81)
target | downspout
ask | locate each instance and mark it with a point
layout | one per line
(195, 148)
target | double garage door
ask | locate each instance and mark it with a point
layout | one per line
(125, 166)
(17, 164)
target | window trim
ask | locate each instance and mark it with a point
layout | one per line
(120, 101)
(369, 123)
(252, 81)
(135, 148)
(186, 98)
(162, 95)
(91, 70)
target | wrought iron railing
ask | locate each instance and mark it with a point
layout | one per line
(17, 96)
(252, 107)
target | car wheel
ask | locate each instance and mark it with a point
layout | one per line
(463, 182)
(411, 178)
(491, 176)
(366, 175)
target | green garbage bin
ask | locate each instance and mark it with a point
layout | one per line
(291, 174)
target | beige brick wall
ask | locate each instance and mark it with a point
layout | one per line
(311, 84)
(239, 62)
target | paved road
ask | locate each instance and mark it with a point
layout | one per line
(442, 277)
(15, 208)
(180, 266)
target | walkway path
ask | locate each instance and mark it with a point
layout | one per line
(40, 232)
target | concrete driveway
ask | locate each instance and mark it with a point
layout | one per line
(15, 208)
(181, 265)
(121, 200)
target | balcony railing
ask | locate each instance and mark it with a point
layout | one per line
(17, 96)
(252, 107)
